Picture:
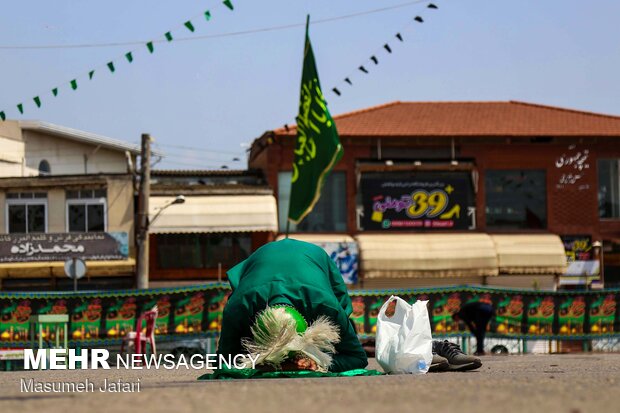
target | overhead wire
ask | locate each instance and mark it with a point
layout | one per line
(191, 148)
(213, 36)
(228, 34)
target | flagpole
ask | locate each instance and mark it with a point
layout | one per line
(317, 147)
(288, 220)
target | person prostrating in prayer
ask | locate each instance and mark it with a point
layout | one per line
(290, 307)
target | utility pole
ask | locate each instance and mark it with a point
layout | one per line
(144, 192)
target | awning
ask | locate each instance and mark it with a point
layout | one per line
(427, 255)
(318, 238)
(409, 283)
(526, 282)
(227, 213)
(57, 269)
(530, 254)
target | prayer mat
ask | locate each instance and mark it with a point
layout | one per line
(230, 374)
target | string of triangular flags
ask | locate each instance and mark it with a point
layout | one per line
(373, 60)
(129, 56)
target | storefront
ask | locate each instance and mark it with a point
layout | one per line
(47, 220)
(541, 183)
(225, 216)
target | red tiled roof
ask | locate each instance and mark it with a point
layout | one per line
(406, 119)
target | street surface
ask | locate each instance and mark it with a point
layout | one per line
(569, 383)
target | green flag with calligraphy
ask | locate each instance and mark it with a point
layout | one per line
(317, 148)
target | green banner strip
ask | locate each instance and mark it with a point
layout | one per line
(103, 317)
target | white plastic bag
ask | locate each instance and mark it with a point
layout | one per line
(404, 341)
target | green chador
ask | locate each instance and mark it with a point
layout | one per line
(298, 274)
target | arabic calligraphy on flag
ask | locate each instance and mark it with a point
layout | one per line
(317, 147)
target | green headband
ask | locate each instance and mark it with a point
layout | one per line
(300, 322)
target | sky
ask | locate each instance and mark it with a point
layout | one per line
(205, 100)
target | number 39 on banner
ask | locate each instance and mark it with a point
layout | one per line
(427, 204)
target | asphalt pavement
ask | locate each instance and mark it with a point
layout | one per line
(532, 383)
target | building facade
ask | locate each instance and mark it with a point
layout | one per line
(64, 194)
(499, 193)
(225, 215)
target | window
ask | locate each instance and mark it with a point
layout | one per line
(86, 210)
(26, 212)
(329, 213)
(516, 199)
(609, 188)
(198, 251)
(44, 168)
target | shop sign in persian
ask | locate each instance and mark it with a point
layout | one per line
(417, 200)
(61, 246)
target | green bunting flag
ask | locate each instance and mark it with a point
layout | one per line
(151, 48)
(317, 147)
(189, 26)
